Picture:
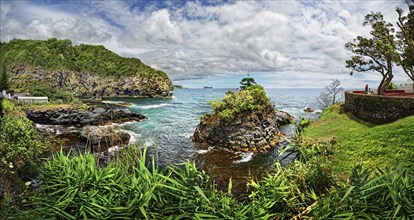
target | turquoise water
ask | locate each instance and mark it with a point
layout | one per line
(171, 122)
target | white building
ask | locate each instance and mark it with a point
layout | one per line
(408, 87)
(32, 99)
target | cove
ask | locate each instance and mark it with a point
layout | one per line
(171, 122)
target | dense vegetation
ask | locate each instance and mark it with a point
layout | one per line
(74, 186)
(4, 78)
(250, 98)
(55, 54)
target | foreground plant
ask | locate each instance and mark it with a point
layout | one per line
(76, 187)
(380, 195)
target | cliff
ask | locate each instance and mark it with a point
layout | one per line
(86, 71)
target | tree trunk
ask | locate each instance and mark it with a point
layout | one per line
(384, 83)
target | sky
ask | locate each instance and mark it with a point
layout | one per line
(280, 43)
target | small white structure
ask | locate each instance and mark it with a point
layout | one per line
(32, 99)
(8, 94)
(408, 87)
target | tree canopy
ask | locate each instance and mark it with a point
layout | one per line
(385, 47)
(4, 78)
(376, 53)
(405, 41)
(246, 82)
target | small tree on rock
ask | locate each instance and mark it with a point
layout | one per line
(331, 95)
(246, 82)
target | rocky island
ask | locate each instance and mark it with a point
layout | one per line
(244, 120)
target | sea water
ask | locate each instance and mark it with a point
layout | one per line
(171, 122)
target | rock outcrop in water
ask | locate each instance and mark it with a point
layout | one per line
(258, 131)
(243, 121)
(75, 117)
(85, 128)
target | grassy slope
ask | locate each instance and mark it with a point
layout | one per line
(363, 143)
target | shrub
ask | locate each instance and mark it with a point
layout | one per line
(66, 97)
(19, 141)
(250, 99)
(388, 195)
(42, 90)
(391, 85)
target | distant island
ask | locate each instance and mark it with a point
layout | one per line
(208, 87)
(178, 87)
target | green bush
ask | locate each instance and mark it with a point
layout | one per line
(391, 86)
(19, 141)
(41, 89)
(250, 99)
(66, 97)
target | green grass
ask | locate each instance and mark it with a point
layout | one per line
(358, 142)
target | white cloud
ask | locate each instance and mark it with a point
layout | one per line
(298, 43)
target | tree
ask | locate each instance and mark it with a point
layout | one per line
(4, 79)
(376, 53)
(246, 82)
(331, 95)
(405, 41)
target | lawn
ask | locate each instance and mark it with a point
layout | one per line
(359, 142)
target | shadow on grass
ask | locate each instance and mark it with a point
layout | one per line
(341, 110)
(359, 121)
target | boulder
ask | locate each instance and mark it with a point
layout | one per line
(257, 131)
(308, 109)
(101, 138)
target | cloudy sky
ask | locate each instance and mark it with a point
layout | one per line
(281, 43)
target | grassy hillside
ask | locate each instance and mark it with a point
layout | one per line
(358, 142)
(60, 54)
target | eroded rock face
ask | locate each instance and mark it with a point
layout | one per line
(84, 128)
(88, 85)
(75, 117)
(257, 131)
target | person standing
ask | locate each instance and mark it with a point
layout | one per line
(366, 89)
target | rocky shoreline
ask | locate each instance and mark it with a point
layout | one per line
(94, 129)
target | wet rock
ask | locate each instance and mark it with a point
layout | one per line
(308, 109)
(84, 129)
(256, 131)
(75, 117)
(99, 139)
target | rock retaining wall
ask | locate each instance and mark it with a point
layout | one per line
(378, 109)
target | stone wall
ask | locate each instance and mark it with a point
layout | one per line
(378, 109)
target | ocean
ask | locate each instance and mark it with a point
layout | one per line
(171, 122)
